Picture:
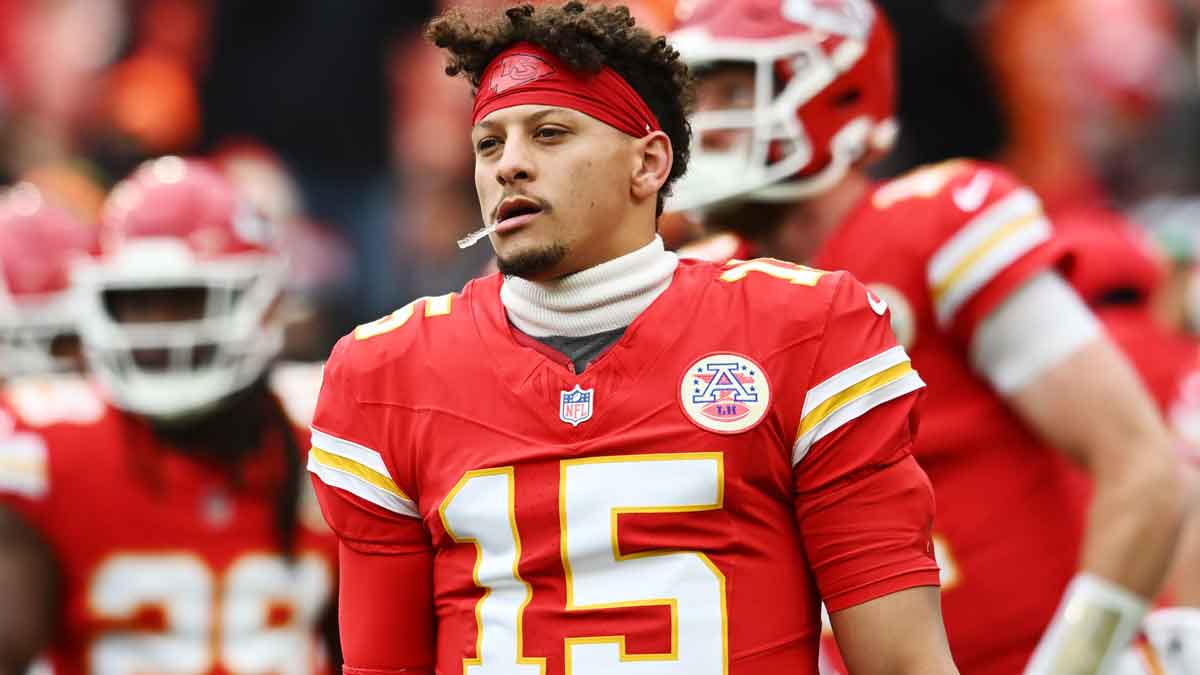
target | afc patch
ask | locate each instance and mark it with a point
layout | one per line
(725, 393)
(575, 406)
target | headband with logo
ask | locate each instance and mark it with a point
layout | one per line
(526, 74)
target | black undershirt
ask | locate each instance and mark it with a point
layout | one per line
(585, 349)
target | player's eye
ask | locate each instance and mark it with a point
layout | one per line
(485, 145)
(547, 133)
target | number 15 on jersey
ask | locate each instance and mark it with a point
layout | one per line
(593, 493)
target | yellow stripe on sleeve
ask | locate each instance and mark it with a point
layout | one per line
(961, 269)
(840, 399)
(365, 473)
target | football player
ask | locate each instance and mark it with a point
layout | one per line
(38, 337)
(38, 243)
(167, 499)
(602, 459)
(1028, 399)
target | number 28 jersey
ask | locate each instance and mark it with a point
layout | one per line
(165, 565)
(681, 506)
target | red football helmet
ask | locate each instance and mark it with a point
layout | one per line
(38, 244)
(177, 225)
(824, 90)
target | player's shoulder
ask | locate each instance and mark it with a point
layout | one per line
(953, 215)
(768, 291)
(53, 401)
(965, 184)
(46, 424)
(424, 329)
(23, 459)
(934, 203)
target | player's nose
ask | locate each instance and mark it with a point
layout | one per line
(515, 164)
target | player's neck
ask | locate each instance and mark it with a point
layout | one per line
(812, 221)
(225, 433)
(605, 297)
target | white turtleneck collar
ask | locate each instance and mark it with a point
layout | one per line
(601, 298)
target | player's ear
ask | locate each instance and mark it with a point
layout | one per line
(652, 159)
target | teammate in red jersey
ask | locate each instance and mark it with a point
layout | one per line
(794, 97)
(604, 460)
(166, 503)
(38, 335)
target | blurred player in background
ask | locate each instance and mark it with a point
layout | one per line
(168, 499)
(795, 97)
(38, 337)
(604, 460)
(38, 244)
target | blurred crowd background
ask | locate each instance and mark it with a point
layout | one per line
(336, 119)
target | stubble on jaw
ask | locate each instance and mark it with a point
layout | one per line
(532, 264)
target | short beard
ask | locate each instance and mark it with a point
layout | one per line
(532, 264)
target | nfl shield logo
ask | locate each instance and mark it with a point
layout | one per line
(575, 406)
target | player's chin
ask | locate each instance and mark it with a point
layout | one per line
(533, 260)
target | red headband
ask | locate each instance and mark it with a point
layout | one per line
(526, 74)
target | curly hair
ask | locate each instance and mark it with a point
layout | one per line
(586, 38)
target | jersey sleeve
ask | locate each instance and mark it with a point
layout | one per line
(863, 505)
(360, 496)
(996, 237)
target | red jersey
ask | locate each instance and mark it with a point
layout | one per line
(165, 566)
(944, 246)
(683, 504)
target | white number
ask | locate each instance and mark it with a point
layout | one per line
(268, 612)
(592, 494)
(434, 306)
(481, 508)
(179, 587)
(254, 619)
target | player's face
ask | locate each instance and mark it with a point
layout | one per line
(726, 86)
(158, 306)
(557, 183)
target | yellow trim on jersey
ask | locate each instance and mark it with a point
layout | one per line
(851, 394)
(823, 411)
(352, 467)
(981, 251)
(359, 470)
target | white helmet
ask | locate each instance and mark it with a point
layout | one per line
(38, 245)
(179, 225)
(823, 99)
